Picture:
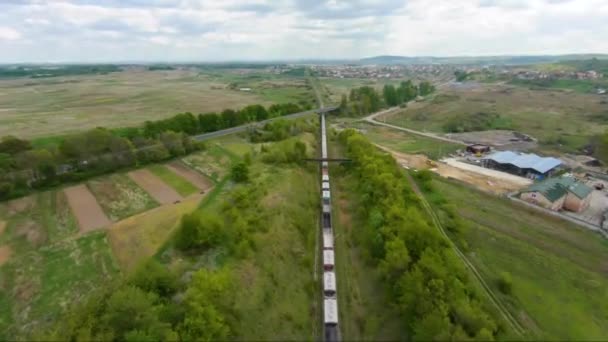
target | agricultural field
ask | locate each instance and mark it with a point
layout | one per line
(120, 197)
(405, 142)
(214, 162)
(559, 271)
(561, 121)
(32, 108)
(38, 285)
(181, 185)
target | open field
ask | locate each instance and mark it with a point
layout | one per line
(36, 286)
(561, 121)
(405, 142)
(88, 212)
(139, 237)
(120, 197)
(201, 182)
(214, 162)
(559, 271)
(41, 107)
(177, 182)
(160, 191)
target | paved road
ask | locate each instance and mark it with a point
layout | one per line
(206, 136)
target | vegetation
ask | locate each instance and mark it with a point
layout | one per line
(432, 289)
(120, 197)
(480, 121)
(54, 71)
(522, 253)
(181, 185)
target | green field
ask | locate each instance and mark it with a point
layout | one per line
(38, 285)
(214, 162)
(580, 86)
(182, 186)
(558, 270)
(120, 197)
(31, 108)
(405, 142)
(560, 121)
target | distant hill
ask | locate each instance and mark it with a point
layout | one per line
(504, 60)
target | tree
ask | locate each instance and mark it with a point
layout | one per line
(239, 172)
(425, 88)
(155, 278)
(173, 143)
(198, 230)
(390, 95)
(505, 283)
(12, 145)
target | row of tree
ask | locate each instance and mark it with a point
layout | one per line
(365, 100)
(428, 283)
(98, 151)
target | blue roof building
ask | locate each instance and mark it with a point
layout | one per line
(524, 164)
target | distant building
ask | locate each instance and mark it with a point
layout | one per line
(478, 149)
(559, 193)
(523, 164)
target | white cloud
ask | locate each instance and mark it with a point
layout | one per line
(93, 30)
(7, 33)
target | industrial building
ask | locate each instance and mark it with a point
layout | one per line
(523, 164)
(559, 193)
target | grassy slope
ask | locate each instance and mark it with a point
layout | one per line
(365, 312)
(559, 271)
(182, 186)
(547, 115)
(120, 197)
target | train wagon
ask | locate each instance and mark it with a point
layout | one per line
(326, 197)
(325, 185)
(326, 220)
(324, 178)
(328, 260)
(328, 239)
(329, 284)
(331, 311)
(325, 172)
(327, 208)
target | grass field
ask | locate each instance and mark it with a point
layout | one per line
(559, 271)
(181, 185)
(42, 107)
(580, 86)
(214, 162)
(405, 142)
(561, 121)
(120, 197)
(38, 285)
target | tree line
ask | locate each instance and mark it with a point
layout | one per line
(97, 151)
(429, 285)
(366, 100)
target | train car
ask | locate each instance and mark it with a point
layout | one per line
(329, 284)
(327, 208)
(325, 172)
(328, 260)
(331, 311)
(325, 185)
(325, 164)
(326, 196)
(328, 239)
(326, 220)
(325, 178)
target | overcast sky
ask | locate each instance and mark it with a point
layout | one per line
(216, 30)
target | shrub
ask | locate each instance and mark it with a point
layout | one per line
(505, 283)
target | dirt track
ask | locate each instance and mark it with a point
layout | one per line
(88, 212)
(153, 185)
(5, 254)
(198, 180)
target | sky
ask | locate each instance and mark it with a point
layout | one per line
(254, 30)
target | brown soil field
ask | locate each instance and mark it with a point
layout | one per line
(5, 254)
(2, 227)
(19, 205)
(198, 180)
(161, 192)
(88, 212)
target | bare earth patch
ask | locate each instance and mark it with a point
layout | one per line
(198, 180)
(5, 254)
(2, 227)
(88, 212)
(21, 204)
(161, 192)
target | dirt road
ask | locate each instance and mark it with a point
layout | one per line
(153, 185)
(88, 212)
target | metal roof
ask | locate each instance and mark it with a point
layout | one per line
(328, 257)
(331, 311)
(555, 188)
(329, 281)
(525, 161)
(328, 240)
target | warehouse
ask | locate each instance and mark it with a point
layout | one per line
(523, 164)
(559, 193)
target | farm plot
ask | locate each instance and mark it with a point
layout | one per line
(120, 197)
(37, 286)
(163, 193)
(31, 222)
(181, 185)
(198, 180)
(88, 212)
(213, 162)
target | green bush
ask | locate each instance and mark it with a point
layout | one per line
(505, 283)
